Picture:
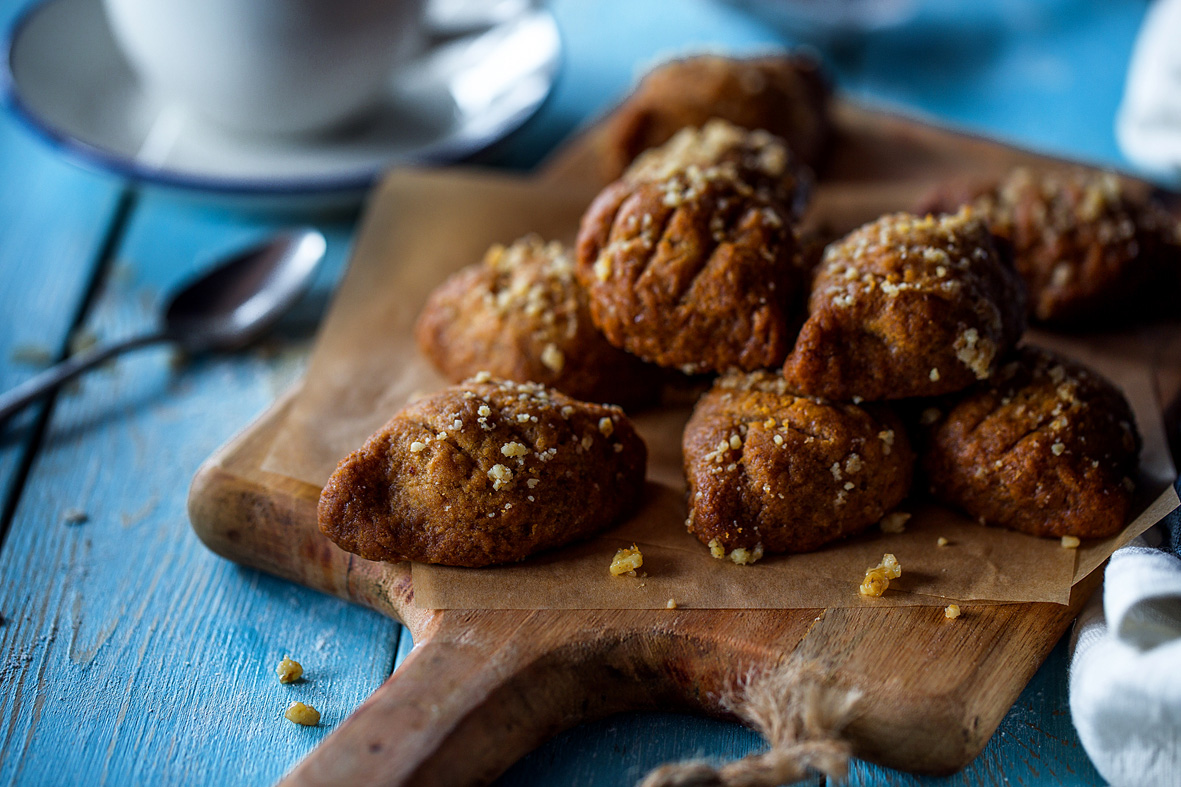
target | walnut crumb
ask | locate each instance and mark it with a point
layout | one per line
(626, 561)
(75, 516)
(553, 358)
(952, 611)
(302, 714)
(289, 670)
(894, 523)
(744, 557)
(716, 549)
(606, 426)
(877, 579)
(500, 476)
(1070, 542)
(513, 449)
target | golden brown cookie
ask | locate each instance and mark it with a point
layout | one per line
(1088, 247)
(489, 471)
(522, 315)
(1047, 447)
(786, 95)
(772, 471)
(691, 260)
(907, 306)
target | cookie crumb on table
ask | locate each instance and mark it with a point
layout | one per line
(75, 516)
(302, 714)
(1070, 542)
(289, 670)
(941, 542)
(672, 604)
(626, 561)
(877, 579)
(952, 611)
(894, 523)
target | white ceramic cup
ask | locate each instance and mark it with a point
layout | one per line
(268, 66)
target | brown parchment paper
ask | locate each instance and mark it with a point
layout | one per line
(423, 225)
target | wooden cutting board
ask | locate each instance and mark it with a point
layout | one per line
(483, 687)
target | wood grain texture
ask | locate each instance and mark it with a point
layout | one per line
(123, 634)
(54, 220)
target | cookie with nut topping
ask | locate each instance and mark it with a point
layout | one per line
(1088, 247)
(786, 95)
(691, 260)
(1047, 447)
(488, 471)
(770, 470)
(522, 315)
(907, 306)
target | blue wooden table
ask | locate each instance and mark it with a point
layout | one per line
(131, 655)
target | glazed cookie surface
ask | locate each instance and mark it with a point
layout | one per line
(907, 306)
(772, 471)
(522, 315)
(691, 260)
(489, 471)
(1047, 447)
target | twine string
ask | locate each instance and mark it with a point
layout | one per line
(802, 718)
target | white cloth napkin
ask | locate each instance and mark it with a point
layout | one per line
(1125, 675)
(1148, 125)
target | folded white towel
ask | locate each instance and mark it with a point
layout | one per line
(1148, 126)
(1125, 682)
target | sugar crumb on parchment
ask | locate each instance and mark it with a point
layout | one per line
(626, 561)
(877, 579)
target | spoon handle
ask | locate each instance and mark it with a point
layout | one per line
(29, 391)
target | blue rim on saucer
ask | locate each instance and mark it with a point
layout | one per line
(377, 151)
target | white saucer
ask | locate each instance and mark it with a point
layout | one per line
(68, 82)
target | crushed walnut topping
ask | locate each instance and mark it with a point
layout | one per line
(744, 557)
(512, 449)
(500, 476)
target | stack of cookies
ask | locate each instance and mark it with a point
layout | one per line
(835, 381)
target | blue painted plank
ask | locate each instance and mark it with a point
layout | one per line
(53, 220)
(1036, 744)
(132, 655)
(621, 750)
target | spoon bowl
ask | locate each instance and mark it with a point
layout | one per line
(242, 298)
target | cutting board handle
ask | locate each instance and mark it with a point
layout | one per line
(484, 689)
